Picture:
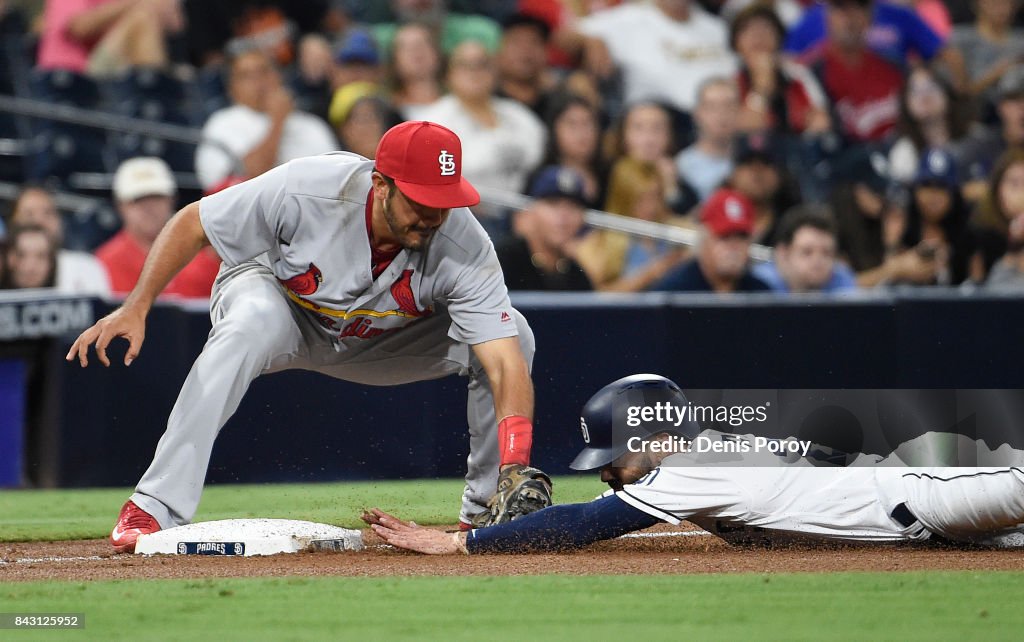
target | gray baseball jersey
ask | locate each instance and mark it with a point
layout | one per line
(297, 292)
(309, 219)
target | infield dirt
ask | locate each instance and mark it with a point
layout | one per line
(94, 560)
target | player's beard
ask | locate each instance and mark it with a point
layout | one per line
(629, 474)
(404, 233)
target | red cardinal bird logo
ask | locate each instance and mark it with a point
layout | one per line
(401, 291)
(306, 283)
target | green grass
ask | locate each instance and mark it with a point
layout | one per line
(879, 606)
(80, 514)
(890, 606)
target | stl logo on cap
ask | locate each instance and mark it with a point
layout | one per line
(424, 159)
(446, 162)
(728, 212)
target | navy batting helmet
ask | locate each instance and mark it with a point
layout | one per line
(614, 415)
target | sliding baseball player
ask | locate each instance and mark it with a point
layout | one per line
(653, 480)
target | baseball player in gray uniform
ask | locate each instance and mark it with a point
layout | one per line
(368, 271)
(654, 481)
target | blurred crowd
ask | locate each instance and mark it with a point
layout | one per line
(869, 143)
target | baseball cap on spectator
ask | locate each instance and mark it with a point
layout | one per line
(728, 212)
(143, 176)
(358, 47)
(937, 168)
(425, 161)
(550, 11)
(866, 166)
(559, 182)
(523, 19)
(1011, 85)
(346, 97)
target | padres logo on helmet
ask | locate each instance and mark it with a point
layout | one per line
(603, 421)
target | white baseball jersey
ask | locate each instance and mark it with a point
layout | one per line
(308, 220)
(854, 503)
(826, 502)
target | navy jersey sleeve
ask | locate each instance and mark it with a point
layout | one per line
(560, 528)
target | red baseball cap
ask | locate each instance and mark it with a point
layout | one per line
(728, 212)
(425, 161)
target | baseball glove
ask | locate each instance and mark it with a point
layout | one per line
(521, 490)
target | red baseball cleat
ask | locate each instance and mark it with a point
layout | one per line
(463, 526)
(132, 522)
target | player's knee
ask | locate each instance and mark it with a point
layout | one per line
(256, 320)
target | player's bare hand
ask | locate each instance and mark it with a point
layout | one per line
(913, 266)
(870, 202)
(280, 103)
(597, 59)
(411, 537)
(128, 323)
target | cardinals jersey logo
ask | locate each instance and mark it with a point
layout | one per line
(306, 283)
(401, 291)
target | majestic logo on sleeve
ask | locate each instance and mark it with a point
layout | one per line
(306, 283)
(447, 163)
(401, 292)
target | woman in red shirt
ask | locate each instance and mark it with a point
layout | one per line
(776, 95)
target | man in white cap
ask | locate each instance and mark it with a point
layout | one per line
(144, 190)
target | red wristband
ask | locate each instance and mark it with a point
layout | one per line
(515, 438)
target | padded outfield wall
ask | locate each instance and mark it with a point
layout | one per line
(98, 427)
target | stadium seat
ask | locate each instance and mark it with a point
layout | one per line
(315, 99)
(12, 145)
(151, 95)
(59, 149)
(17, 52)
(210, 94)
(90, 225)
(65, 88)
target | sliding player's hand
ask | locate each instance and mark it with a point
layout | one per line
(410, 536)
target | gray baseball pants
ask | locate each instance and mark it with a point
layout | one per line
(257, 330)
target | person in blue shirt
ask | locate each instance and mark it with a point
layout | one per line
(895, 32)
(805, 255)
